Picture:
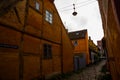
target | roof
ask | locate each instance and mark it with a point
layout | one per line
(77, 34)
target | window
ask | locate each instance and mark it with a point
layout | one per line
(75, 43)
(48, 17)
(77, 33)
(47, 51)
(82, 35)
(37, 6)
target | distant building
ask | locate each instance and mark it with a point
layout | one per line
(93, 51)
(81, 49)
(33, 40)
(100, 46)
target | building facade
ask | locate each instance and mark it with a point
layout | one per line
(110, 13)
(81, 48)
(33, 40)
(93, 51)
(101, 49)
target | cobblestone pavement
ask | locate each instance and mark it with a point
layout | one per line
(89, 73)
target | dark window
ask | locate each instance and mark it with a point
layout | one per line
(47, 51)
(75, 43)
(82, 35)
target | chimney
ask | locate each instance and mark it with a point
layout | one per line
(89, 38)
(67, 30)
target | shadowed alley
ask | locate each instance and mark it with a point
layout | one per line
(89, 73)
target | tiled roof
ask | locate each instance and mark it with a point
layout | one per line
(77, 34)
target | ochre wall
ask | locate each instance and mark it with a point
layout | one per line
(31, 67)
(34, 23)
(52, 31)
(57, 33)
(9, 57)
(11, 19)
(53, 65)
(82, 47)
(67, 50)
(25, 28)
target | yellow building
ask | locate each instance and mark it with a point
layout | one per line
(33, 40)
(81, 48)
(93, 51)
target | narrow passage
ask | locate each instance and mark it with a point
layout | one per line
(89, 73)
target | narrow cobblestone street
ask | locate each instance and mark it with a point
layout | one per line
(89, 73)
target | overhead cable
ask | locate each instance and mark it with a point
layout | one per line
(68, 6)
(79, 6)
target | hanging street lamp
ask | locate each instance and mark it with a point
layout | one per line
(74, 13)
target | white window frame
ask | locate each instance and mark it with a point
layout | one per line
(37, 5)
(48, 17)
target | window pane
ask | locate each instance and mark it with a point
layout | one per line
(47, 12)
(50, 51)
(48, 17)
(77, 33)
(50, 21)
(75, 43)
(37, 6)
(47, 51)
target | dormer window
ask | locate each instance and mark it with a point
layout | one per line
(49, 17)
(77, 33)
(37, 6)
